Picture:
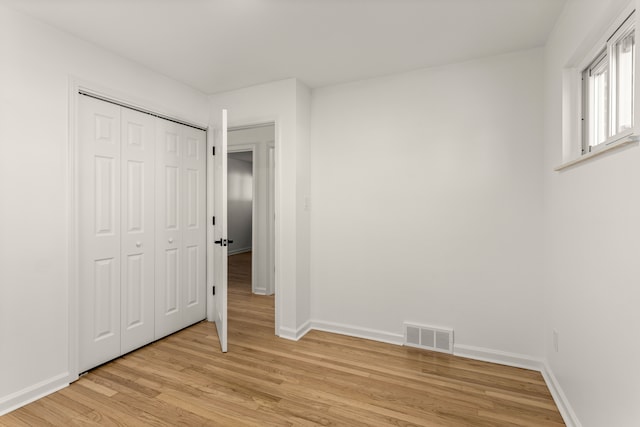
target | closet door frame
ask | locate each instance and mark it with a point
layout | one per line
(76, 87)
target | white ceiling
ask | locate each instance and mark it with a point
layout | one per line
(218, 45)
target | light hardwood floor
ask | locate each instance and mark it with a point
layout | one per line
(324, 379)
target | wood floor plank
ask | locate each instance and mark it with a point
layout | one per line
(323, 379)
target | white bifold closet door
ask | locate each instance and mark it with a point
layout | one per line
(99, 291)
(137, 229)
(141, 229)
(180, 227)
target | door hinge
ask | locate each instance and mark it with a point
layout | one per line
(213, 220)
(214, 290)
(213, 151)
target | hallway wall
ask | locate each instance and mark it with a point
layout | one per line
(261, 140)
(239, 203)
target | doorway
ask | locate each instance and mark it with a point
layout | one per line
(240, 218)
(251, 206)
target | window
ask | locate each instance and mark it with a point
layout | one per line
(607, 90)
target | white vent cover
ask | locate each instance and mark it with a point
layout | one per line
(429, 338)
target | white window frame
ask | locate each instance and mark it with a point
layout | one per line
(604, 34)
(624, 25)
(600, 62)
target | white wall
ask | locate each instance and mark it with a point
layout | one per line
(37, 62)
(239, 203)
(303, 208)
(279, 102)
(592, 243)
(427, 201)
(432, 202)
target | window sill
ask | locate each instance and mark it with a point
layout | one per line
(612, 146)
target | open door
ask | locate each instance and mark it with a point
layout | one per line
(220, 245)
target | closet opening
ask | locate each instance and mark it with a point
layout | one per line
(140, 226)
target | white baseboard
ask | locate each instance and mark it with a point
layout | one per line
(294, 334)
(358, 332)
(32, 393)
(238, 251)
(260, 291)
(497, 356)
(53, 384)
(522, 361)
(568, 415)
(477, 353)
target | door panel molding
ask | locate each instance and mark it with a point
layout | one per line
(131, 136)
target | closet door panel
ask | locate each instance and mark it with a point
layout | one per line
(138, 229)
(194, 224)
(169, 253)
(142, 229)
(99, 159)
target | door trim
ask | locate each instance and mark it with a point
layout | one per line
(76, 86)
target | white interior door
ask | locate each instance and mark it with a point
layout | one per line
(138, 230)
(194, 225)
(169, 256)
(99, 232)
(220, 232)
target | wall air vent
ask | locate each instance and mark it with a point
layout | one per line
(428, 338)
